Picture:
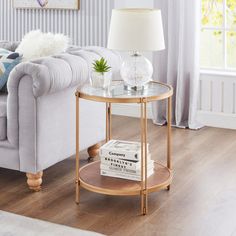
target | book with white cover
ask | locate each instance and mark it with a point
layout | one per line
(126, 164)
(121, 149)
(124, 170)
(115, 174)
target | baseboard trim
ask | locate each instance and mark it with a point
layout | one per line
(131, 110)
(217, 119)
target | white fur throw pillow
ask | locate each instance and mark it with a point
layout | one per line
(36, 44)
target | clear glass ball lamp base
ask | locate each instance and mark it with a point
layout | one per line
(136, 70)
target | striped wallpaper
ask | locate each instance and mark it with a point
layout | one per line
(88, 26)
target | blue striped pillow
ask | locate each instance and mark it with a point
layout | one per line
(8, 60)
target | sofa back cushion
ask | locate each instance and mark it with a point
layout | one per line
(8, 60)
(11, 46)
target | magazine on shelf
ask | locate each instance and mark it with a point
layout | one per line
(126, 164)
(121, 149)
(124, 170)
(121, 175)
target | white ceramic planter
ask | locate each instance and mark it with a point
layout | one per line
(101, 80)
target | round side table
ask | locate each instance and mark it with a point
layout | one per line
(89, 176)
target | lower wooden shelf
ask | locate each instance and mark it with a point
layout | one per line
(91, 180)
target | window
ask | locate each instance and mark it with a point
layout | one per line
(218, 35)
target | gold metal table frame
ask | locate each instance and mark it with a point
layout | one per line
(89, 176)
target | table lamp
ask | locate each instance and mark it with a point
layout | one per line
(136, 30)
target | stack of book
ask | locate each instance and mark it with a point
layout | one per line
(122, 159)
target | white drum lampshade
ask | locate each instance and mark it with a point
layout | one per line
(136, 30)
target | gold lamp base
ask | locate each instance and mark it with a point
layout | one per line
(135, 88)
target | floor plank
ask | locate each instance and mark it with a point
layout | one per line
(202, 199)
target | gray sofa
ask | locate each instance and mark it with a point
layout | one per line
(37, 116)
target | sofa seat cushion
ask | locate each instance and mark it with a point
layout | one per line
(3, 116)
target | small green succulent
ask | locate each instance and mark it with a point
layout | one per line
(101, 66)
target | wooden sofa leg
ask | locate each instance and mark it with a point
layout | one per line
(93, 150)
(34, 181)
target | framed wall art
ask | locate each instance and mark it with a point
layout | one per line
(47, 4)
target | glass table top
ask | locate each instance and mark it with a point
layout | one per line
(118, 93)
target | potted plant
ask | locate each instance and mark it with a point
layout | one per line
(101, 75)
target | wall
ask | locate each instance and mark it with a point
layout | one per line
(88, 26)
(217, 100)
(132, 3)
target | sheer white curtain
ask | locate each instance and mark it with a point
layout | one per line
(178, 64)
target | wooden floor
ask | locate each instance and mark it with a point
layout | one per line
(202, 199)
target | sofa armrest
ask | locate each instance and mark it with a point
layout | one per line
(49, 75)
